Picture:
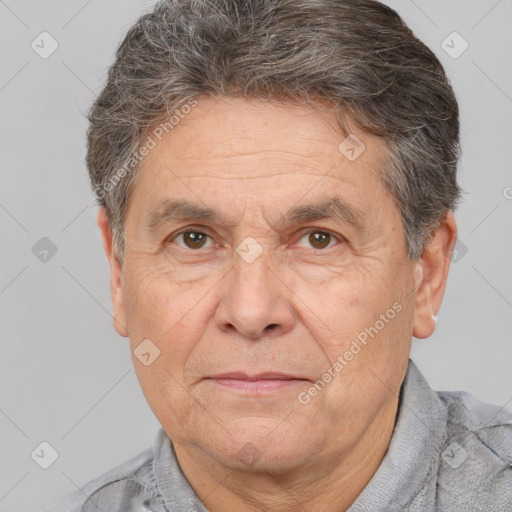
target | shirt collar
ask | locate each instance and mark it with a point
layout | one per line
(413, 454)
(174, 489)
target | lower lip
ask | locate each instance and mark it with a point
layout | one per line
(257, 386)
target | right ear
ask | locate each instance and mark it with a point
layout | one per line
(116, 284)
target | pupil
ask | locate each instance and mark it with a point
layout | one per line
(194, 239)
(319, 240)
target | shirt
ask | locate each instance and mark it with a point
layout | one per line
(448, 452)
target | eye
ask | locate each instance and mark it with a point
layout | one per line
(195, 240)
(319, 239)
(191, 239)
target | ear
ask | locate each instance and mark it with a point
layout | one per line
(432, 273)
(116, 284)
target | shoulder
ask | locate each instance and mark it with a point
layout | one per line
(480, 424)
(475, 466)
(127, 482)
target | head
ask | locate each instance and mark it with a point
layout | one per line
(276, 183)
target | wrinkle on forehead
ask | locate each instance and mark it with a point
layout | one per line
(279, 160)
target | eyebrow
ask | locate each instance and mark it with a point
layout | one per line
(332, 208)
(178, 210)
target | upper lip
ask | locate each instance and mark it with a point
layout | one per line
(257, 376)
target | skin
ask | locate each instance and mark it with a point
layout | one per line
(293, 310)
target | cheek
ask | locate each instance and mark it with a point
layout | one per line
(342, 300)
(168, 313)
(172, 316)
(364, 310)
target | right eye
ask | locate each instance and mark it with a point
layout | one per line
(191, 239)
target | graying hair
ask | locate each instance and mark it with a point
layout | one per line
(356, 54)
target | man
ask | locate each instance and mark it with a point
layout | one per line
(276, 181)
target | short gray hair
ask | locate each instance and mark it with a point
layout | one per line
(356, 54)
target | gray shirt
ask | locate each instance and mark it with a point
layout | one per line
(449, 452)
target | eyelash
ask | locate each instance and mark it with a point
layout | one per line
(308, 231)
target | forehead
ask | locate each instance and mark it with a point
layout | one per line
(226, 128)
(228, 147)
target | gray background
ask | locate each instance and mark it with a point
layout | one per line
(66, 376)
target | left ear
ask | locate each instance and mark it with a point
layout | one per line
(434, 264)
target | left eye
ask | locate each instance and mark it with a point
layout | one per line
(319, 239)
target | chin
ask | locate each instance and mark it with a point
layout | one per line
(262, 444)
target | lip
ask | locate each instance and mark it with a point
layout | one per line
(258, 383)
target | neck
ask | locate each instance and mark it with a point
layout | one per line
(331, 481)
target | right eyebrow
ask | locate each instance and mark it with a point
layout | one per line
(179, 209)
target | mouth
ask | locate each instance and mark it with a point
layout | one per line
(257, 383)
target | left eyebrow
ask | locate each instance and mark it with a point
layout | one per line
(333, 208)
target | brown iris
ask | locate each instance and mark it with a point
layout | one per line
(319, 239)
(194, 239)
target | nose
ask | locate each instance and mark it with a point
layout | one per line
(253, 301)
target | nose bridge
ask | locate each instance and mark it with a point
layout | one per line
(253, 302)
(251, 279)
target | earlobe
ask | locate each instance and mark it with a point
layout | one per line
(434, 264)
(116, 285)
(423, 325)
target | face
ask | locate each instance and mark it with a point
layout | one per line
(270, 273)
